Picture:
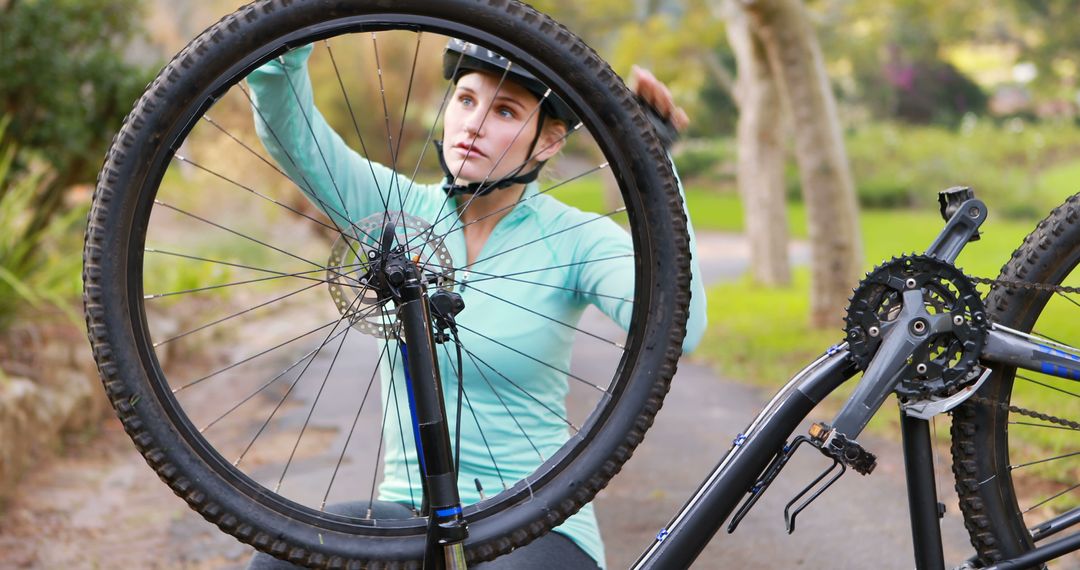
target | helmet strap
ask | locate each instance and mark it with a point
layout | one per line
(484, 188)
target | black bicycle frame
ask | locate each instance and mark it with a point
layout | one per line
(753, 450)
(682, 540)
(679, 544)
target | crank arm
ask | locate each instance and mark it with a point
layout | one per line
(883, 374)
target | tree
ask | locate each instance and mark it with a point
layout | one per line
(65, 86)
(796, 62)
(761, 151)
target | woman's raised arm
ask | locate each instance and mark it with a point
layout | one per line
(338, 180)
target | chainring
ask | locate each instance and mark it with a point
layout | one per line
(943, 362)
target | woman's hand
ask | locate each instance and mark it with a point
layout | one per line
(645, 85)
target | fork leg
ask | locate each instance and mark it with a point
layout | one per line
(922, 494)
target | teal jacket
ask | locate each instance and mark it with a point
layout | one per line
(523, 371)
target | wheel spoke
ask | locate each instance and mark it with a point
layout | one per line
(309, 189)
(505, 407)
(1051, 498)
(301, 275)
(234, 315)
(315, 402)
(356, 125)
(475, 358)
(552, 319)
(1067, 298)
(530, 242)
(1054, 458)
(1045, 385)
(397, 412)
(236, 233)
(476, 420)
(534, 359)
(333, 323)
(292, 386)
(253, 191)
(352, 430)
(465, 282)
(315, 139)
(386, 111)
(431, 131)
(266, 385)
(1048, 426)
(382, 428)
(322, 155)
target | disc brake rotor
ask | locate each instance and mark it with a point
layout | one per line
(354, 257)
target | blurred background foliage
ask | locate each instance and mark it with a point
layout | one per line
(66, 81)
(931, 94)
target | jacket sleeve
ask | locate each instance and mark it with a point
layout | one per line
(605, 275)
(340, 182)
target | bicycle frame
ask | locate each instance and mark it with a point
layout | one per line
(762, 444)
(679, 544)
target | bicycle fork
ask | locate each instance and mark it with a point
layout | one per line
(446, 526)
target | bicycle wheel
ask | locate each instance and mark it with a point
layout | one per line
(242, 351)
(1015, 470)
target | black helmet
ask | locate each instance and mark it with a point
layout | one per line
(461, 56)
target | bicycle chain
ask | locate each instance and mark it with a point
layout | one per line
(1026, 412)
(1023, 285)
(1009, 407)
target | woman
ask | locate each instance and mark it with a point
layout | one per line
(500, 127)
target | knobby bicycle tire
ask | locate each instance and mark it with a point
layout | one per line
(987, 463)
(130, 355)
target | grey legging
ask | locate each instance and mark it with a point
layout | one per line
(552, 550)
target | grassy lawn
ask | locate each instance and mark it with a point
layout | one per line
(1061, 180)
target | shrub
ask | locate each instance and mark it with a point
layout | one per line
(41, 268)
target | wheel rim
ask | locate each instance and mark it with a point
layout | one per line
(151, 321)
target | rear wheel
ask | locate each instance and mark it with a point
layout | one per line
(237, 337)
(1016, 470)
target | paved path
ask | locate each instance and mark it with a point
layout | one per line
(100, 507)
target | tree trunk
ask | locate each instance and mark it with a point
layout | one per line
(831, 210)
(760, 172)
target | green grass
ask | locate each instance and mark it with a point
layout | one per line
(1062, 180)
(711, 210)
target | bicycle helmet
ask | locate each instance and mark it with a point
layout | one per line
(461, 57)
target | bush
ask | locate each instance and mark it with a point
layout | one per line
(41, 270)
(713, 159)
(898, 165)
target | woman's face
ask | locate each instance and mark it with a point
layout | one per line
(488, 129)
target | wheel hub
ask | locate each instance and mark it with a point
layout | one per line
(366, 260)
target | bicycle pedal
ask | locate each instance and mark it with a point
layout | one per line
(839, 447)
